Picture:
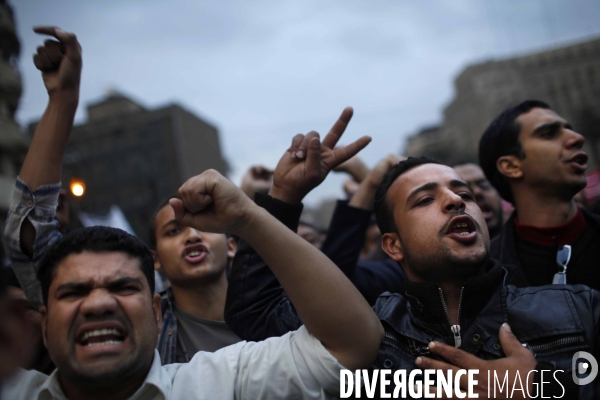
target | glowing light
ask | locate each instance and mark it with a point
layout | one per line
(77, 188)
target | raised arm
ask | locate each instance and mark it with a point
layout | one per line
(60, 64)
(30, 226)
(257, 307)
(329, 305)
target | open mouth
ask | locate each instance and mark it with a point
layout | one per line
(195, 254)
(98, 337)
(462, 228)
(579, 161)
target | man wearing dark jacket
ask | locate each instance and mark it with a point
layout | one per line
(455, 297)
(533, 158)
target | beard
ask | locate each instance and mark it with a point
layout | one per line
(443, 264)
(122, 370)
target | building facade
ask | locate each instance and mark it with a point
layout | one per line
(567, 78)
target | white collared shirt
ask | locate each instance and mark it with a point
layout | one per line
(293, 366)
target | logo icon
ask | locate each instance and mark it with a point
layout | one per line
(579, 367)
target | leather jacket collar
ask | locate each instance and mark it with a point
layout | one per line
(426, 301)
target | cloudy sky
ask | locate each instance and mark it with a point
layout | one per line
(262, 71)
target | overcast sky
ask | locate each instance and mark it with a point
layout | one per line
(262, 71)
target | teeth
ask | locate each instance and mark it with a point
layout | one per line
(194, 253)
(460, 225)
(100, 332)
(463, 233)
(103, 343)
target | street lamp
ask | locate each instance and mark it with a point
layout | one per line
(77, 187)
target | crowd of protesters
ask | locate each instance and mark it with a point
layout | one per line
(420, 268)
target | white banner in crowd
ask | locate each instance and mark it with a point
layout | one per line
(114, 219)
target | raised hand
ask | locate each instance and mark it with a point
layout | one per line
(210, 202)
(308, 161)
(354, 167)
(364, 196)
(59, 61)
(257, 179)
(519, 360)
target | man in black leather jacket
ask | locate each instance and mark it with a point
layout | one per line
(454, 295)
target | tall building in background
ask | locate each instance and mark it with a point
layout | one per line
(567, 78)
(13, 143)
(129, 156)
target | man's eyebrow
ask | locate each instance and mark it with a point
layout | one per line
(171, 222)
(123, 281)
(76, 286)
(427, 186)
(549, 126)
(458, 183)
(87, 286)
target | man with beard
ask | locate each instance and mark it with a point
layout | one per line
(533, 158)
(487, 197)
(455, 303)
(101, 318)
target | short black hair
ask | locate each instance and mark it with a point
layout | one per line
(501, 138)
(96, 239)
(383, 212)
(152, 226)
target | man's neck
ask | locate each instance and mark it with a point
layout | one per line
(205, 301)
(544, 211)
(115, 390)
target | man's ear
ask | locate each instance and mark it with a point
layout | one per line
(157, 265)
(157, 311)
(390, 243)
(231, 247)
(44, 312)
(510, 166)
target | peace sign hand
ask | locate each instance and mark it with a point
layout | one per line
(308, 161)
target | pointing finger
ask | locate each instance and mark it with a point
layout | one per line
(338, 128)
(342, 154)
(69, 40)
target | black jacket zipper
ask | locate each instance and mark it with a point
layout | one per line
(557, 343)
(454, 328)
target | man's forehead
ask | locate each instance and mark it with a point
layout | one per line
(164, 215)
(97, 266)
(421, 175)
(535, 117)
